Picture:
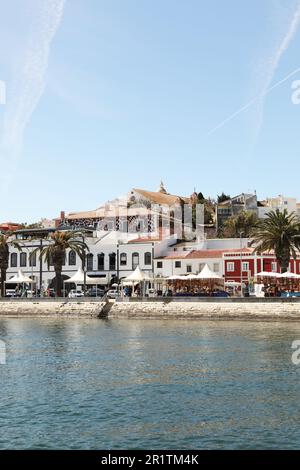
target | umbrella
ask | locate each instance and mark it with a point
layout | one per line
(267, 274)
(20, 278)
(289, 276)
(137, 276)
(207, 273)
(232, 284)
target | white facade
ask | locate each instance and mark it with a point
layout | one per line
(171, 266)
(107, 257)
(280, 203)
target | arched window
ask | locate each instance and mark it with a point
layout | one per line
(90, 262)
(135, 260)
(72, 258)
(148, 258)
(32, 259)
(13, 260)
(23, 260)
(101, 262)
(123, 259)
(112, 261)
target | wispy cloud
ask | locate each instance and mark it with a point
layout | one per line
(272, 64)
(28, 79)
(274, 61)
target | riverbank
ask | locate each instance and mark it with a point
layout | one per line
(51, 308)
(208, 309)
(156, 309)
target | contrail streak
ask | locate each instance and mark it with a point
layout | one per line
(254, 100)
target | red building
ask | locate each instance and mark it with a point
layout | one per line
(252, 264)
(9, 227)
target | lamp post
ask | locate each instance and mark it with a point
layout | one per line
(84, 265)
(241, 254)
(118, 265)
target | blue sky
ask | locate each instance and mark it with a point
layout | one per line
(105, 95)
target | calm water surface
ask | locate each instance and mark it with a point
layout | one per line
(88, 384)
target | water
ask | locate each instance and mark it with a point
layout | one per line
(88, 384)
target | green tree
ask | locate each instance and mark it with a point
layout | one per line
(279, 232)
(6, 241)
(223, 197)
(242, 223)
(55, 252)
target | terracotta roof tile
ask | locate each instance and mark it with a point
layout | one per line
(204, 254)
(161, 198)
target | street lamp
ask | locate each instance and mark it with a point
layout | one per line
(241, 254)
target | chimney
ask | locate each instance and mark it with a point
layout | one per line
(62, 215)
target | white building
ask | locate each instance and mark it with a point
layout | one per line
(281, 202)
(110, 255)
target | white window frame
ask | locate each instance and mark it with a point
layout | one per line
(245, 266)
(274, 267)
(230, 266)
(216, 267)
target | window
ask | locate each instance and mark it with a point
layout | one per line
(90, 262)
(177, 264)
(112, 261)
(32, 259)
(72, 258)
(189, 268)
(13, 260)
(101, 262)
(274, 267)
(123, 259)
(148, 259)
(230, 267)
(159, 264)
(216, 267)
(245, 266)
(23, 260)
(201, 266)
(135, 260)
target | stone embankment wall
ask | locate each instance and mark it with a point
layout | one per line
(207, 310)
(41, 308)
(164, 309)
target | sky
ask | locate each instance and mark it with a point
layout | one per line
(105, 95)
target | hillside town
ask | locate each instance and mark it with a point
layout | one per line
(164, 235)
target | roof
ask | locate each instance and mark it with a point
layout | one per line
(162, 198)
(203, 254)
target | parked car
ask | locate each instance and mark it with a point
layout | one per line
(113, 294)
(74, 293)
(11, 293)
(95, 292)
(51, 292)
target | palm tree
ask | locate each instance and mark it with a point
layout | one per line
(279, 232)
(5, 243)
(55, 252)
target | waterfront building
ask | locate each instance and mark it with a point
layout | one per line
(109, 257)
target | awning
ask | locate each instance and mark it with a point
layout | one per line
(137, 276)
(20, 278)
(267, 274)
(78, 278)
(207, 273)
